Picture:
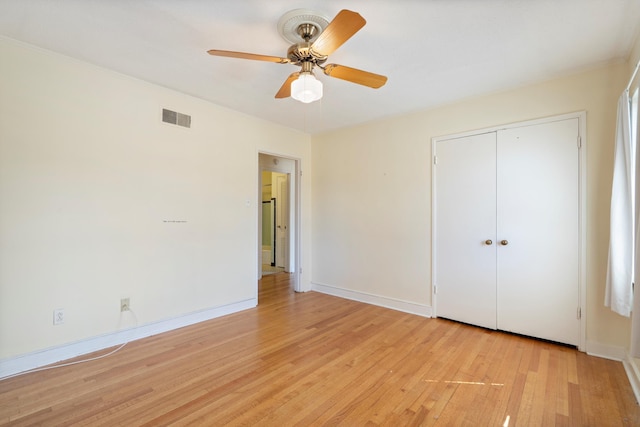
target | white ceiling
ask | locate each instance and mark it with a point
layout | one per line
(433, 51)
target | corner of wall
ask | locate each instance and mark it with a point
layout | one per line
(633, 373)
(634, 55)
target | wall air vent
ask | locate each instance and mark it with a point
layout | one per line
(175, 118)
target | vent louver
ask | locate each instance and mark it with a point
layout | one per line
(176, 118)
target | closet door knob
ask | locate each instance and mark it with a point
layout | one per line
(504, 242)
(488, 242)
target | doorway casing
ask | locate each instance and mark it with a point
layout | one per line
(291, 166)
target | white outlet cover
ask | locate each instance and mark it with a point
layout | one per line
(58, 316)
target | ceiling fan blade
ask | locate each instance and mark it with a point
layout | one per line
(242, 55)
(354, 75)
(285, 89)
(342, 28)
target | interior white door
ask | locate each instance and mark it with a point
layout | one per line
(538, 220)
(465, 229)
(281, 188)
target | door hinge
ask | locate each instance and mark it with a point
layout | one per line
(579, 313)
(435, 289)
(300, 270)
(579, 141)
(435, 160)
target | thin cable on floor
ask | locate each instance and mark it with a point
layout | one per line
(91, 359)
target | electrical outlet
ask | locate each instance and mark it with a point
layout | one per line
(124, 304)
(58, 316)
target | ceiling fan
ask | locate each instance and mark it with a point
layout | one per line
(319, 39)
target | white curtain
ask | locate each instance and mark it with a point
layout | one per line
(635, 319)
(618, 294)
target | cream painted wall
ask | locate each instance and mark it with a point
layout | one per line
(91, 184)
(89, 174)
(371, 193)
(634, 57)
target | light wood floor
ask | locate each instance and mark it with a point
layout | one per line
(312, 359)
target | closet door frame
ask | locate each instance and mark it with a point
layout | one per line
(582, 208)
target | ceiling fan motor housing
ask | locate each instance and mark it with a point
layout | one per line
(302, 52)
(308, 31)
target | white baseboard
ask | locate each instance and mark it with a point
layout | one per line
(606, 351)
(633, 373)
(394, 304)
(48, 356)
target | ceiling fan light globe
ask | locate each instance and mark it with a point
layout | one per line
(306, 88)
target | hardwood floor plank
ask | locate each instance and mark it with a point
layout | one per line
(575, 405)
(312, 359)
(558, 373)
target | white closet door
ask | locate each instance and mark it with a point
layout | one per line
(465, 201)
(537, 214)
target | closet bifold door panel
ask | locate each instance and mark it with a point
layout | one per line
(466, 228)
(506, 229)
(537, 219)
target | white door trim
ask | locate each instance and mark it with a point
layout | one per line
(295, 219)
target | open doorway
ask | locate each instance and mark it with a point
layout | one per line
(275, 222)
(278, 246)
